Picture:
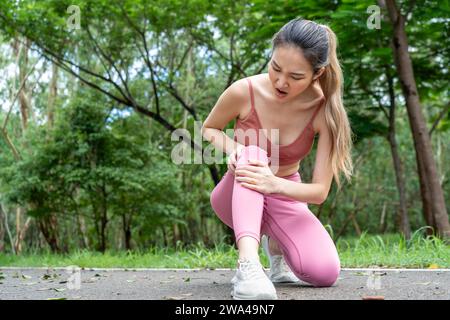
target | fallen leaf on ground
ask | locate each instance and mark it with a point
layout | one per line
(187, 294)
(373, 298)
(166, 281)
(173, 298)
(89, 281)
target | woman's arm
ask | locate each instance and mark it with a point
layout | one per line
(303, 192)
(220, 140)
(227, 108)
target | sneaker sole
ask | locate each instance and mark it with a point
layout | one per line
(284, 281)
(262, 296)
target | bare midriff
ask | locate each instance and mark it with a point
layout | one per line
(287, 170)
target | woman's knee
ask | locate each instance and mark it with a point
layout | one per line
(324, 275)
(319, 273)
(252, 152)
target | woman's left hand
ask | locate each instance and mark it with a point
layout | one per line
(257, 176)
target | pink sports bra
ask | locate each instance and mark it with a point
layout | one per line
(288, 153)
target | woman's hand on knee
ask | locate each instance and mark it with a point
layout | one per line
(258, 176)
(233, 157)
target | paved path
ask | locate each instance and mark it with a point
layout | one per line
(201, 284)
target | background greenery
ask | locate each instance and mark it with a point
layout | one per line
(93, 169)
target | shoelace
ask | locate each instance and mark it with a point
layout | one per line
(279, 263)
(248, 267)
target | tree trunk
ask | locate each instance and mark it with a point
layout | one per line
(52, 93)
(182, 178)
(48, 225)
(103, 217)
(433, 198)
(21, 52)
(126, 225)
(82, 230)
(97, 224)
(166, 242)
(176, 235)
(6, 225)
(383, 223)
(402, 220)
(21, 230)
(2, 231)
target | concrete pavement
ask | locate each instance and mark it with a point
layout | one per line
(205, 284)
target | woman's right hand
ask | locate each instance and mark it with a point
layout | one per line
(232, 158)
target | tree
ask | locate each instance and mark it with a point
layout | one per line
(432, 194)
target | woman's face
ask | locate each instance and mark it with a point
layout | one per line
(289, 72)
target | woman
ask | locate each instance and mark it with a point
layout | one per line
(299, 97)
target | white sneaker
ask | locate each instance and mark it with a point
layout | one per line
(251, 283)
(279, 270)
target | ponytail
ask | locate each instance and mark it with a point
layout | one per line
(336, 118)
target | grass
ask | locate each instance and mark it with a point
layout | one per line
(389, 251)
(393, 251)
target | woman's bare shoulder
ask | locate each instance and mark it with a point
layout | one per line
(238, 90)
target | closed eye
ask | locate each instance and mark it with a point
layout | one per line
(276, 70)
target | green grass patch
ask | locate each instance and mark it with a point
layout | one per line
(390, 251)
(393, 251)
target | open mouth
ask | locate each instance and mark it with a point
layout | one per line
(280, 92)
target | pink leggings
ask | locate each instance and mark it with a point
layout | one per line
(306, 245)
